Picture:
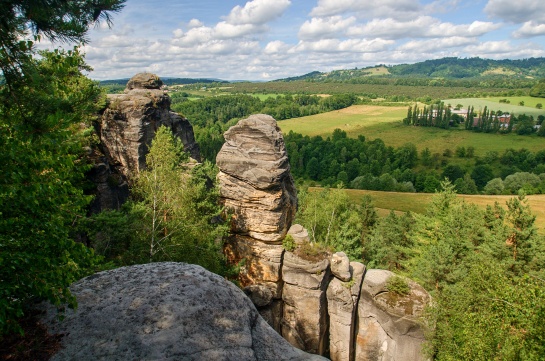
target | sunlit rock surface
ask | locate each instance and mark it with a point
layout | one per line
(165, 311)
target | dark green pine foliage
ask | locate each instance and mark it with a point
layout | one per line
(45, 105)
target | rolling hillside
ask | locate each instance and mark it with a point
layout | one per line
(450, 68)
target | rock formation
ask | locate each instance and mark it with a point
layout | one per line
(257, 188)
(342, 302)
(255, 179)
(322, 304)
(126, 128)
(128, 124)
(388, 323)
(165, 311)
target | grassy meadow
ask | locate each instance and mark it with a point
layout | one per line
(374, 121)
(493, 103)
(417, 202)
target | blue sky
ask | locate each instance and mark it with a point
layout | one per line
(271, 39)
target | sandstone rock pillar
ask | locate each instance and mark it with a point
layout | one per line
(128, 124)
(257, 188)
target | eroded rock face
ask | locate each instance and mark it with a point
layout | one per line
(165, 311)
(128, 124)
(299, 234)
(342, 305)
(388, 323)
(304, 321)
(255, 179)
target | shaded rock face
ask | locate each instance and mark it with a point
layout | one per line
(255, 179)
(111, 188)
(165, 311)
(304, 320)
(127, 126)
(388, 324)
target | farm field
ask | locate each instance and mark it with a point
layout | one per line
(493, 103)
(417, 202)
(374, 121)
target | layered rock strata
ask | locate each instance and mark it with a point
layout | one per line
(126, 128)
(255, 179)
(322, 304)
(128, 124)
(257, 188)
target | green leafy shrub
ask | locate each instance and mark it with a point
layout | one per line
(289, 243)
(398, 285)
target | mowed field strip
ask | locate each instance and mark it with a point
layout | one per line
(382, 122)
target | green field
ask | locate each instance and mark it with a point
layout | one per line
(417, 202)
(374, 121)
(493, 103)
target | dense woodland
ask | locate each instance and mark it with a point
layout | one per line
(485, 268)
(360, 164)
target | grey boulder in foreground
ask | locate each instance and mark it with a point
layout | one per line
(165, 311)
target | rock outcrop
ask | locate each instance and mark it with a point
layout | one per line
(255, 179)
(342, 305)
(126, 128)
(129, 122)
(165, 311)
(304, 320)
(323, 304)
(257, 188)
(388, 323)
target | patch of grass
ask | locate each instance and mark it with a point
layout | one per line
(265, 96)
(382, 122)
(312, 252)
(355, 120)
(493, 103)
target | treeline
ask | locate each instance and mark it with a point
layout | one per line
(212, 116)
(375, 87)
(356, 163)
(452, 67)
(440, 116)
(221, 109)
(483, 267)
(361, 164)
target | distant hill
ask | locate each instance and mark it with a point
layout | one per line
(446, 68)
(167, 81)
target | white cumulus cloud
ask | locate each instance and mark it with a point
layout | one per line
(328, 27)
(516, 11)
(257, 12)
(368, 9)
(530, 29)
(436, 45)
(420, 27)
